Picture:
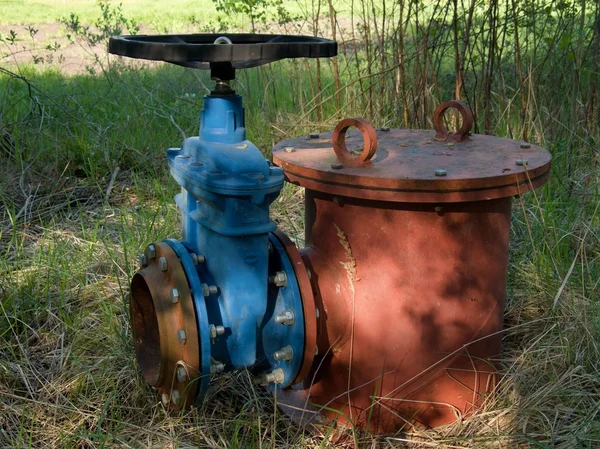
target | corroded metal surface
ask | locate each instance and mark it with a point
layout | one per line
(411, 301)
(404, 167)
(369, 142)
(408, 251)
(169, 362)
(441, 132)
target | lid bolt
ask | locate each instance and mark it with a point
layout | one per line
(440, 172)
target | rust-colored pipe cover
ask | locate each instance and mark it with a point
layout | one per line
(408, 269)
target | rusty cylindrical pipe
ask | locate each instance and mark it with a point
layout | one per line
(408, 256)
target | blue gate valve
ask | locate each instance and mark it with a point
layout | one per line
(226, 296)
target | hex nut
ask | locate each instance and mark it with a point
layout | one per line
(279, 279)
(289, 149)
(522, 162)
(142, 260)
(286, 317)
(276, 376)
(151, 252)
(525, 145)
(174, 295)
(441, 172)
(181, 374)
(313, 135)
(385, 128)
(181, 336)
(162, 264)
(208, 290)
(337, 165)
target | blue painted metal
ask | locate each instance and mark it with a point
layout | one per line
(227, 187)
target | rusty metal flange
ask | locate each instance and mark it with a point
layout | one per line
(164, 327)
(420, 166)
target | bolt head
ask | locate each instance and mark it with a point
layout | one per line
(337, 165)
(162, 264)
(174, 295)
(289, 149)
(314, 135)
(217, 367)
(208, 290)
(286, 317)
(525, 145)
(175, 397)
(286, 353)
(151, 252)
(142, 260)
(181, 336)
(440, 172)
(522, 162)
(385, 128)
(165, 399)
(280, 279)
(197, 258)
(181, 374)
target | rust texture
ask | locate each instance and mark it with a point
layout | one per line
(168, 363)
(369, 142)
(408, 258)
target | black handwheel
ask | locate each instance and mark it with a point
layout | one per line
(233, 51)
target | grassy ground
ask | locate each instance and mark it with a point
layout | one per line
(84, 185)
(26, 12)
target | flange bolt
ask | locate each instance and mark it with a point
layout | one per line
(525, 145)
(208, 290)
(289, 149)
(337, 165)
(162, 264)
(181, 374)
(175, 397)
(441, 172)
(181, 336)
(174, 295)
(286, 317)
(215, 330)
(314, 135)
(217, 367)
(279, 279)
(142, 260)
(197, 258)
(385, 128)
(286, 353)
(276, 376)
(522, 162)
(151, 252)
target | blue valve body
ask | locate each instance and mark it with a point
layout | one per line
(227, 187)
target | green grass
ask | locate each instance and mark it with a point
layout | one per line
(68, 376)
(143, 11)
